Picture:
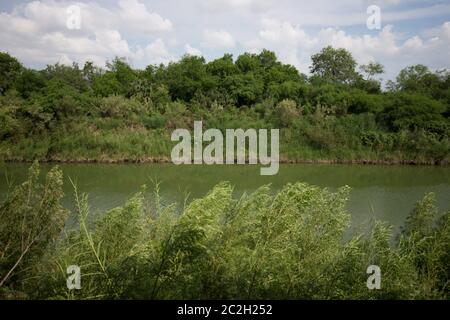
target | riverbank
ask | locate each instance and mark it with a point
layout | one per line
(344, 140)
(283, 160)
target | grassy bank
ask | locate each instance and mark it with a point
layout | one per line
(117, 113)
(310, 139)
(286, 245)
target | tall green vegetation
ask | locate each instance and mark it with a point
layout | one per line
(334, 65)
(31, 218)
(116, 113)
(264, 245)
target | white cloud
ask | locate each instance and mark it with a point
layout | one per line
(220, 5)
(64, 60)
(216, 39)
(326, 13)
(388, 48)
(285, 39)
(37, 34)
(143, 31)
(192, 51)
(154, 53)
(295, 46)
(136, 16)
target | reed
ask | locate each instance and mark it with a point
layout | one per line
(263, 245)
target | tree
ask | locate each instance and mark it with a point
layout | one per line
(124, 75)
(106, 84)
(248, 62)
(245, 88)
(417, 78)
(369, 83)
(28, 82)
(407, 111)
(268, 59)
(186, 77)
(372, 69)
(334, 65)
(10, 69)
(68, 75)
(90, 71)
(222, 67)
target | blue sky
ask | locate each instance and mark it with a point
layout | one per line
(160, 31)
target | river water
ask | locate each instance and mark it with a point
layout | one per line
(386, 193)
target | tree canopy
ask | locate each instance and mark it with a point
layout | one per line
(334, 65)
(334, 107)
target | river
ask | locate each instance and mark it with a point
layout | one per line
(386, 193)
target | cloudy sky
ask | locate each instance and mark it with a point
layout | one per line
(159, 31)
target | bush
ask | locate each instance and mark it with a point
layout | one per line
(361, 102)
(411, 111)
(31, 219)
(10, 124)
(120, 107)
(287, 112)
(155, 121)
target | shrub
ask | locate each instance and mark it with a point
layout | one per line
(154, 121)
(31, 219)
(411, 111)
(287, 112)
(120, 107)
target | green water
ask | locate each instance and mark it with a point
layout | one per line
(383, 192)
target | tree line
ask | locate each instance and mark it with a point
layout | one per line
(338, 99)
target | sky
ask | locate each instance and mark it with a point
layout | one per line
(147, 32)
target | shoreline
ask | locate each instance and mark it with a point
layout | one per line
(166, 160)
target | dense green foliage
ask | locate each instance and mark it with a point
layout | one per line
(287, 244)
(70, 113)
